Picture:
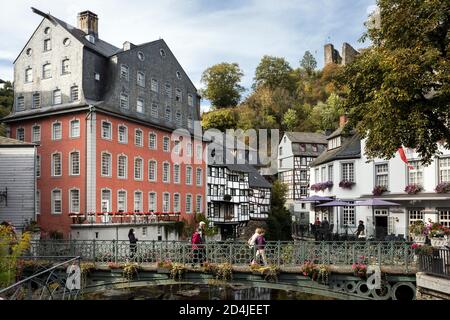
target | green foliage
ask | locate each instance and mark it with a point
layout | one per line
(308, 62)
(290, 120)
(273, 72)
(403, 79)
(6, 102)
(11, 248)
(220, 119)
(279, 223)
(222, 84)
(209, 231)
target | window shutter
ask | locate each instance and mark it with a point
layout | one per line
(391, 225)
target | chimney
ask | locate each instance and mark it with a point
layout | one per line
(127, 45)
(88, 23)
(343, 119)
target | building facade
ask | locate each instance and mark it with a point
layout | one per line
(103, 119)
(236, 192)
(295, 153)
(18, 198)
(354, 177)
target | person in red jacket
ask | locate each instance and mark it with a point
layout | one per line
(198, 248)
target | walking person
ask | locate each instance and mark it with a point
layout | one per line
(198, 248)
(133, 241)
(260, 247)
(251, 243)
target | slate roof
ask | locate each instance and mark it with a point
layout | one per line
(7, 142)
(307, 137)
(255, 180)
(350, 149)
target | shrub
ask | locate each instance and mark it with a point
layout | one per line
(344, 184)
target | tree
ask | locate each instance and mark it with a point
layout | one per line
(290, 120)
(279, 223)
(326, 115)
(273, 72)
(220, 119)
(308, 63)
(222, 84)
(398, 91)
(6, 102)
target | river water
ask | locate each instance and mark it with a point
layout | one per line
(201, 292)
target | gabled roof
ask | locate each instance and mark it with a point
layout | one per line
(101, 47)
(307, 137)
(255, 180)
(350, 149)
(8, 142)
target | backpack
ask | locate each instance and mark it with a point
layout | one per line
(251, 241)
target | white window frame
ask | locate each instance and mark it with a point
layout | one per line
(109, 164)
(199, 179)
(73, 90)
(33, 134)
(36, 103)
(166, 144)
(20, 103)
(103, 131)
(71, 129)
(57, 99)
(71, 201)
(199, 155)
(110, 200)
(54, 137)
(124, 100)
(124, 141)
(154, 85)
(53, 164)
(154, 112)
(140, 79)
(444, 169)
(71, 172)
(141, 204)
(155, 171)
(346, 173)
(176, 174)
(381, 175)
(166, 196)
(125, 200)
(65, 69)
(189, 173)
(141, 144)
(166, 173)
(418, 169)
(124, 72)
(141, 172)
(190, 100)
(140, 106)
(155, 141)
(150, 205)
(176, 204)
(21, 136)
(189, 204)
(53, 206)
(199, 203)
(29, 76)
(47, 74)
(125, 176)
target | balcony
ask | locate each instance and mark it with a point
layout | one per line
(111, 218)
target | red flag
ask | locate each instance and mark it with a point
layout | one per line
(403, 157)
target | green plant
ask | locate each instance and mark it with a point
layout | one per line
(422, 249)
(224, 271)
(270, 272)
(323, 274)
(417, 228)
(130, 270)
(177, 271)
(437, 230)
(11, 247)
(287, 254)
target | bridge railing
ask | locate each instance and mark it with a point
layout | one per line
(277, 253)
(437, 263)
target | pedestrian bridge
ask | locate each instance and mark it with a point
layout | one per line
(105, 261)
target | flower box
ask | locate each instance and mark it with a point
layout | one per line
(413, 188)
(379, 190)
(344, 184)
(322, 186)
(420, 239)
(443, 187)
(439, 242)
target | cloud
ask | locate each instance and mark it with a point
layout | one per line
(202, 33)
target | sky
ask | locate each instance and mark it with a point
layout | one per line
(201, 33)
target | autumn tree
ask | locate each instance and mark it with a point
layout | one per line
(6, 102)
(273, 72)
(220, 119)
(222, 84)
(398, 91)
(308, 62)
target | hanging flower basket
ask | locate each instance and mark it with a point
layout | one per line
(413, 188)
(379, 190)
(443, 187)
(344, 184)
(322, 186)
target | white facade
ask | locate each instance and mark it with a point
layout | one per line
(144, 232)
(395, 176)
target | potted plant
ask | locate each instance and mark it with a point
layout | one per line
(359, 269)
(413, 188)
(379, 190)
(418, 231)
(164, 267)
(321, 186)
(438, 235)
(443, 187)
(345, 184)
(308, 269)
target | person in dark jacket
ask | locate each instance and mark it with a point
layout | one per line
(360, 232)
(133, 241)
(260, 247)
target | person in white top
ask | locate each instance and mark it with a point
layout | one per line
(252, 240)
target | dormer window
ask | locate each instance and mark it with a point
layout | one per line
(334, 143)
(314, 148)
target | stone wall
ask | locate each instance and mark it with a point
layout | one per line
(432, 288)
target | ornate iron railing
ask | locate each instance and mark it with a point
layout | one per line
(49, 280)
(237, 253)
(437, 263)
